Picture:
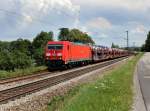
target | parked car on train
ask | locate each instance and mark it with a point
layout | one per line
(65, 53)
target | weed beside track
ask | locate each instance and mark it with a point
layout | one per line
(111, 93)
(21, 72)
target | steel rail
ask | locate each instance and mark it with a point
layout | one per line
(23, 90)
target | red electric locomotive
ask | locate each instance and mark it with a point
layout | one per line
(65, 53)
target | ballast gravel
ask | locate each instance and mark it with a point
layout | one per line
(39, 100)
(30, 80)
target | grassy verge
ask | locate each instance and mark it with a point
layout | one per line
(21, 72)
(111, 93)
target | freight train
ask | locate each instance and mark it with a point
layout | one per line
(68, 54)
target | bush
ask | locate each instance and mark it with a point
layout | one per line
(39, 56)
(21, 60)
(21, 53)
(6, 61)
(14, 60)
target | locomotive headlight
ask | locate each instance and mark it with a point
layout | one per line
(59, 54)
(48, 54)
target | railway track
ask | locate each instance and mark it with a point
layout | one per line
(32, 76)
(15, 79)
(23, 90)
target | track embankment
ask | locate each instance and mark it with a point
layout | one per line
(47, 88)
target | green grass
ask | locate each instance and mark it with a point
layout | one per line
(21, 72)
(111, 93)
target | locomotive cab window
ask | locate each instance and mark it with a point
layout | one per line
(55, 47)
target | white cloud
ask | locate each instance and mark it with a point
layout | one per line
(141, 29)
(95, 17)
(40, 9)
(37, 15)
(28, 18)
(104, 36)
(126, 4)
(99, 23)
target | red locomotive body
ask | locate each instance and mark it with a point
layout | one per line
(61, 53)
(65, 53)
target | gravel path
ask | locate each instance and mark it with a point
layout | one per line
(143, 73)
(138, 98)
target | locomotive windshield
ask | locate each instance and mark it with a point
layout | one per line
(55, 47)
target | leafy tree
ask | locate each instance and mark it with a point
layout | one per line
(114, 46)
(41, 39)
(87, 39)
(79, 36)
(21, 60)
(18, 54)
(15, 55)
(39, 44)
(74, 35)
(15, 59)
(143, 48)
(4, 46)
(64, 34)
(147, 43)
(39, 56)
(21, 45)
(6, 61)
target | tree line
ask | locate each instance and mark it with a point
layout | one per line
(23, 53)
(146, 46)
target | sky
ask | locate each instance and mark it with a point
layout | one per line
(106, 21)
